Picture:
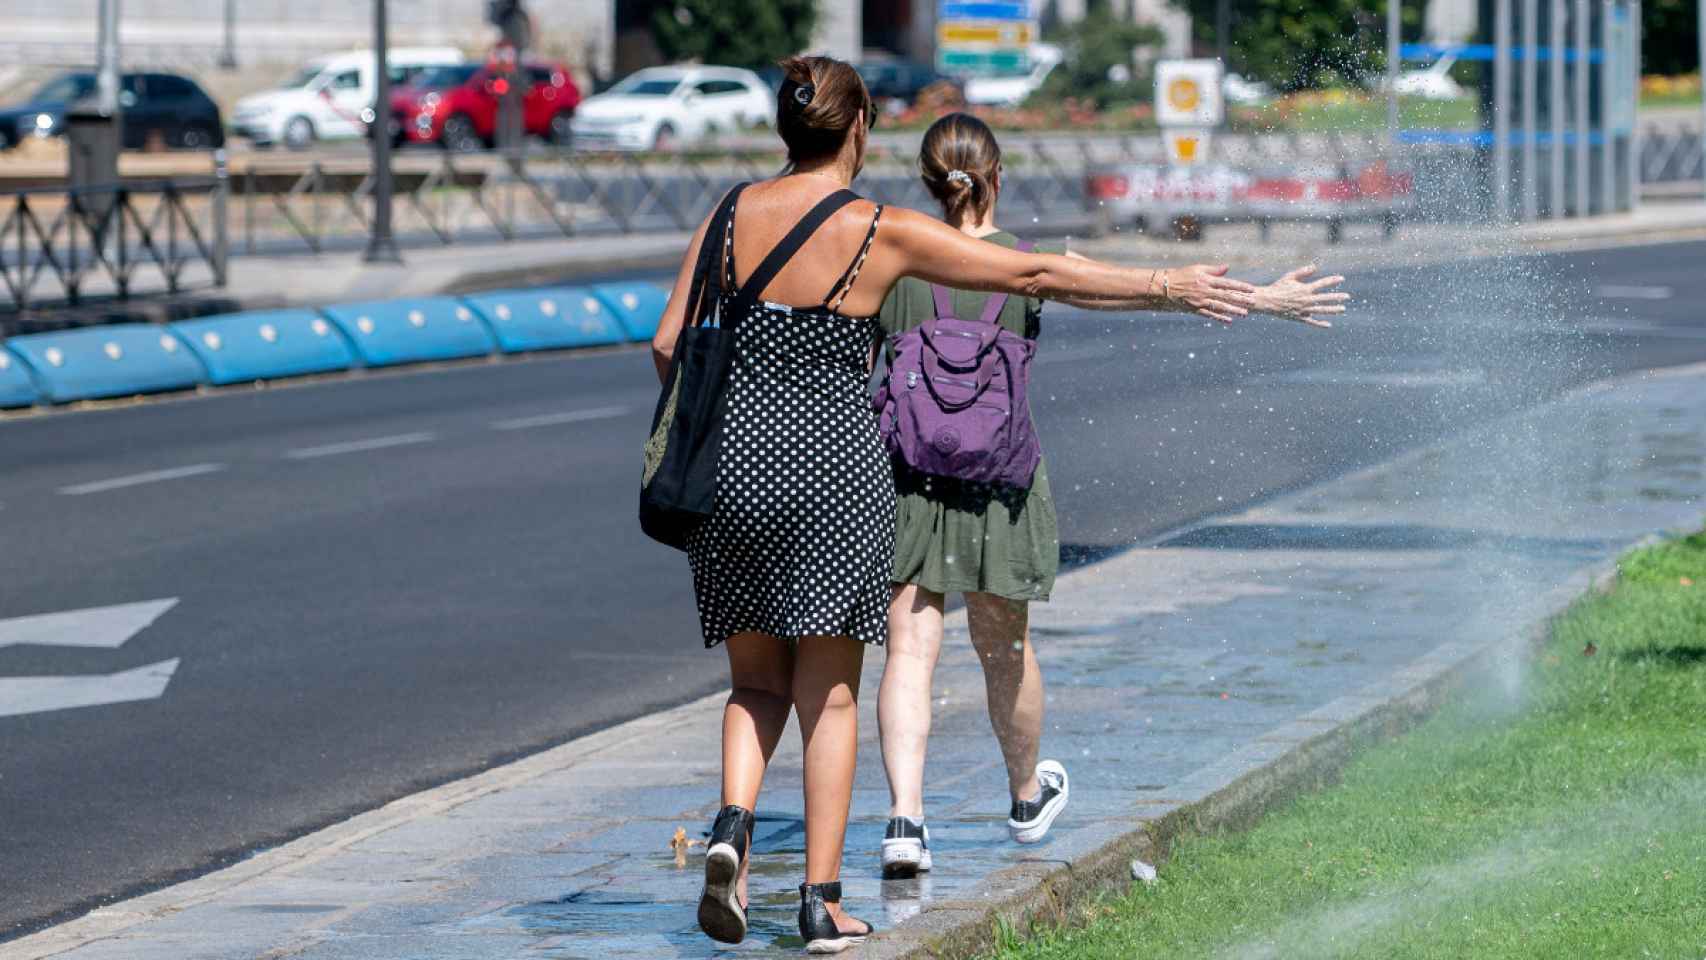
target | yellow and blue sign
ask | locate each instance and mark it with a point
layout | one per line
(991, 38)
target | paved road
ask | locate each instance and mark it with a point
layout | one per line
(386, 582)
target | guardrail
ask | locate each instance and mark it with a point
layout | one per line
(66, 243)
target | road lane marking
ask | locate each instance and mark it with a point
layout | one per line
(357, 446)
(554, 419)
(136, 479)
(104, 627)
(1621, 292)
(22, 695)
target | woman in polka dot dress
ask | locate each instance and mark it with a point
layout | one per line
(792, 568)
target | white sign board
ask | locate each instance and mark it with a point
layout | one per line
(1187, 93)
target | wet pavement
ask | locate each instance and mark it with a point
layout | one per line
(1160, 662)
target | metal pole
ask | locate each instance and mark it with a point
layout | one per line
(221, 209)
(1700, 23)
(381, 246)
(1608, 135)
(1394, 27)
(228, 55)
(1501, 109)
(1583, 125)
(1632, 167)
(1555, 111)
(1222, 27)
(107, 70)
(1530, 104)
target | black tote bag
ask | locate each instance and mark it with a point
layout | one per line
(679, 483)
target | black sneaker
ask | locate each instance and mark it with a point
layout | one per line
(1030, 819)
(720, 914)
(906, 849)
(817, 927)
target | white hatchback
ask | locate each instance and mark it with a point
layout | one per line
(661, 107)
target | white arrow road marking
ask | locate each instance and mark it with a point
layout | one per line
(136, 479)
(107, 627)
(98, 627)
(21, 695)
(357, 446)
(553, 419)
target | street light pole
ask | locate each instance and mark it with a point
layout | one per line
(1222, 27)
(228, 55)
(1394, 27)
(381, 245)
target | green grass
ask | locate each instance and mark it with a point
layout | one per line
(1370, 114)
(1563, 816)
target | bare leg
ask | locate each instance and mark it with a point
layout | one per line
(1000, 631)
(903, 699)
(826, 699)
(761, 668)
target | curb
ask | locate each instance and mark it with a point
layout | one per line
(1229, 795)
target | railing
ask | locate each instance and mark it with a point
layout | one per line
(69, 244)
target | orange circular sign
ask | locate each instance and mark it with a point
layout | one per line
(1183, 94)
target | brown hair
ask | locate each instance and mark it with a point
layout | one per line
(960, 143)
(819, 101)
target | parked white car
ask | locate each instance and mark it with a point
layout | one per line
(1431, 83)
(661, 107)
(1014, 90)
(1244, 92)
(325, 100)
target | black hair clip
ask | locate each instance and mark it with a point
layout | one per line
(803, 94)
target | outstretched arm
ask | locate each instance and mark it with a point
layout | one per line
(926, 248)
(1291, 297)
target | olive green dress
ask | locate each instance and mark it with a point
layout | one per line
(953, 536)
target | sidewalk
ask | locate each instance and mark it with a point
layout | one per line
(1190, 683)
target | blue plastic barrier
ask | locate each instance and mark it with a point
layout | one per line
(110, 361)
(548, 319)
(637, 305)
(241, 347)
(385, 332)
(16, 387)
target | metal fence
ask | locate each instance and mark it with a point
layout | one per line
(67, 244)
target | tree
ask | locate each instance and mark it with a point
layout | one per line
(1297, 45)
(1098, 53)
(1668, 42)
(735, 33)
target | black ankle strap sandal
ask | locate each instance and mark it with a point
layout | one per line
(817, 925)
(721, 915)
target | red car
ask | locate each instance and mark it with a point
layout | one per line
(457, 106)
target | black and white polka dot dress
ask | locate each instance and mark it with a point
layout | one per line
(800, 540)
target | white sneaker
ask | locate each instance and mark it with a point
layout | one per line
(1030, 820)
(906, 849)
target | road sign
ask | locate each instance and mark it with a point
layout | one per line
(1186, 146)
(99, 627)
(1187, 93)
(985, 39)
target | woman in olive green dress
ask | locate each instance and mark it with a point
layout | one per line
(999, 547)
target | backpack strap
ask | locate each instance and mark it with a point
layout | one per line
(790, 245)
(991, 307)
(850, 276)
(708, 270)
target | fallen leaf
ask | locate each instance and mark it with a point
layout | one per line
(1685, 581)
(681, 843)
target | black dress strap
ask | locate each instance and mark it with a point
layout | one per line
(790, 245)
(709, 278)
(844, 285)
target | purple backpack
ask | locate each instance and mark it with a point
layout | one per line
(953, 404)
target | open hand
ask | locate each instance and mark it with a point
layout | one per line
(1208, 291)
(1295, 297)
